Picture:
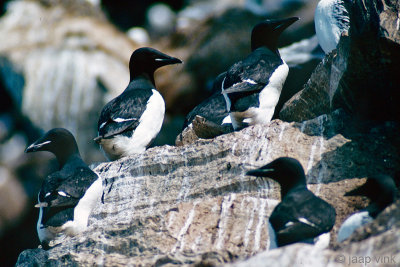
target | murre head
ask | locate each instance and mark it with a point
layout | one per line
(59, 141)
(288, 172)
(380, 189)
(145, 61)
(267, 33)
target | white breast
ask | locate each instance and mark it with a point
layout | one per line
(83, 209)
(352, 223)
(272, 237)
(326, 26)
(149, 126)
(268, 98)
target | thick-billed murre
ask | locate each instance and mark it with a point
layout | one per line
(129, 123)
(300, 216)
(252, 87)
(67, 196)
(213, 109)
(381, 190)
(331, 18)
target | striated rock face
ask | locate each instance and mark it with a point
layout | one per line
(193, 204)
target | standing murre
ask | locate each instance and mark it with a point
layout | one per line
(381, 190)
(300, 216)
(68, 196)
(213, 109)
(331, 18)
(252, 87)
(129, 123)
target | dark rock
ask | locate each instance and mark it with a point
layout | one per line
(362, 76)
(33, 257)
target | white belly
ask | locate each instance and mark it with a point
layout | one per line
(352, 223)
(268, 99)
(326, 28)
(81, 215)
(149, 126)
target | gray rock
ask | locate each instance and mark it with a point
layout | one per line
(361, 75)
(194, 204)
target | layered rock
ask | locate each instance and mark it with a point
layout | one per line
(193, 204)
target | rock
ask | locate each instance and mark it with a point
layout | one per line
(194, 204)
(376, 243)
(370, 91)
(13, 200)
(32, 257)
(313, 99)
(201, 128)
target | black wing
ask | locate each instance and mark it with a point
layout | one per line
(252, 73)
(213, 108)
(61, 192)
(301, 216)
(123, 112)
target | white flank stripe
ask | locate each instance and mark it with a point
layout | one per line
(122, 120)
(63, 194)
(305, 221)
(250, 81)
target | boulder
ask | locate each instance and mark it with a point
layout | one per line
(194, 204)
(360, 76)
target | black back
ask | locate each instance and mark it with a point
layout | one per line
(73, 180)
(213, 108)
(301, 203)
(130, 105)
(257, 67)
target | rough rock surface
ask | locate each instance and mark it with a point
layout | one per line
(362, 76)
(193, 204)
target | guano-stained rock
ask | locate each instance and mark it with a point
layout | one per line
(193, 204)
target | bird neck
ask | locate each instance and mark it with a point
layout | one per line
(148, 76)
(378, 206)
(272, 46)
(286, 189)
(67, 157)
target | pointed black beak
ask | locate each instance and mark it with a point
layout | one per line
(167, 60)
(359, 191)
(31, 148)
(260, 172)
(37, 146)
(98, 139)
(281, 25)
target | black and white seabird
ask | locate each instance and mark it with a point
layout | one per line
(381, 190)
(213, 109)
(129, 123)
(68, 196)
(300, 216)
(252, 87)
(331, 19)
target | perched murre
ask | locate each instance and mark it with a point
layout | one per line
(213, 108)
(300, 216)
(129, 123)
(331, 18)
(381, 190)
(252, 87)
(68, 196)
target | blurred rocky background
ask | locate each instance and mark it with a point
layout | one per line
(62, 60)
